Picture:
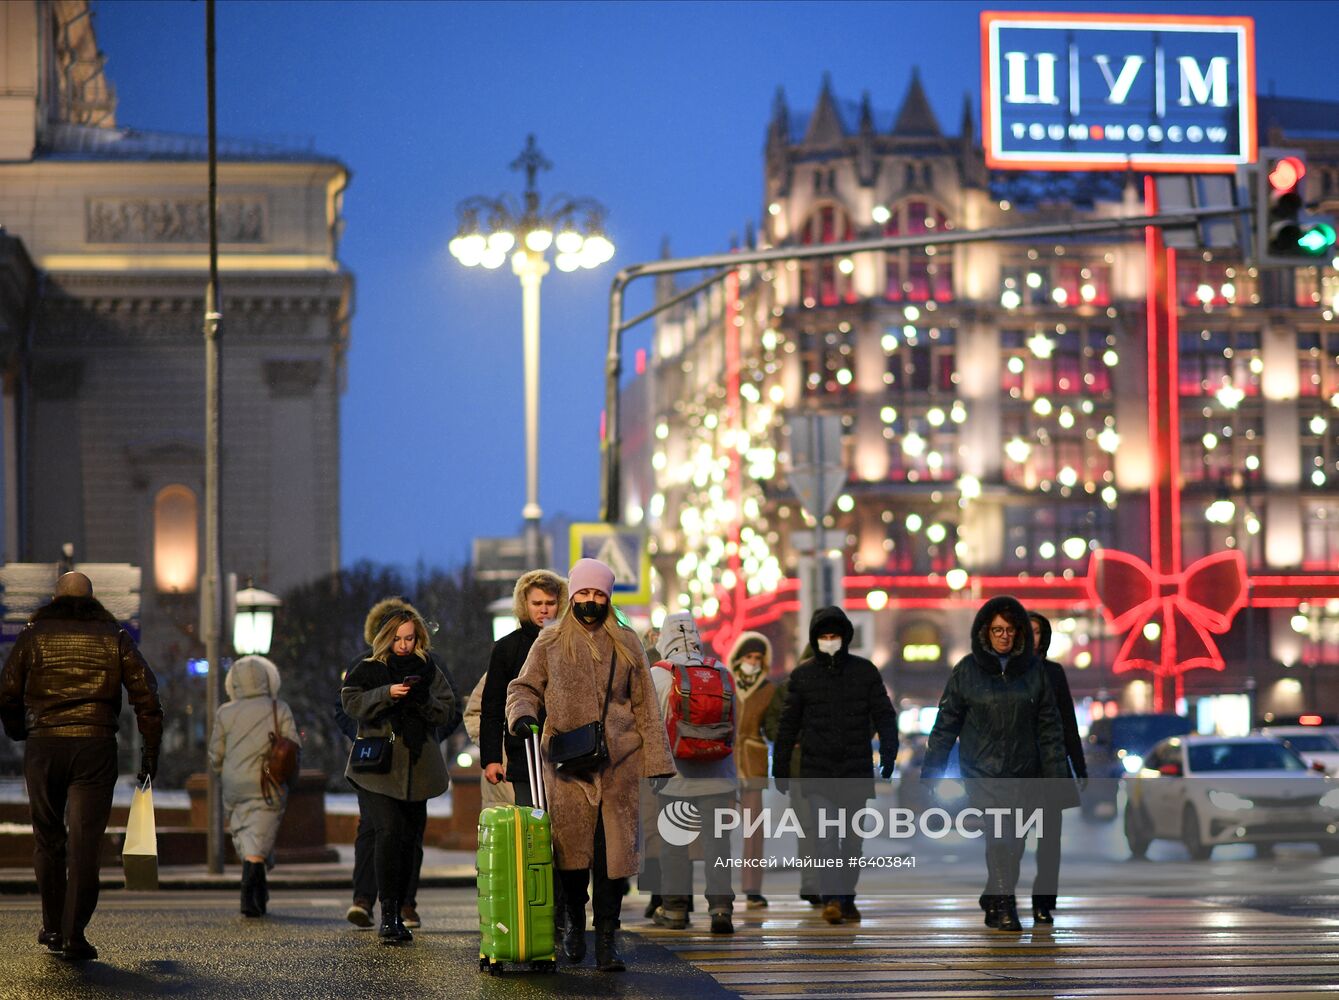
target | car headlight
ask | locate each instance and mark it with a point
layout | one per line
(1133, 763)
(1330, 800)
(1229, 801)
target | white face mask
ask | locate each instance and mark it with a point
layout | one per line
(829, 646)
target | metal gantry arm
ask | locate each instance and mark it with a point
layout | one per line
(611, 508)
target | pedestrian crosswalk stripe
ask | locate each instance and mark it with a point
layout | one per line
(920, 948)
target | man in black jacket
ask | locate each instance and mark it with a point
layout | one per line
(833, 701)
(1062, 796)
(538, 597)
(61, 691)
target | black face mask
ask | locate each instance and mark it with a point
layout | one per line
(590, 612)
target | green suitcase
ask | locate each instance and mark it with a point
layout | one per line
(515, 877)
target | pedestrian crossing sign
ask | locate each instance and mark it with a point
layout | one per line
(624, 550)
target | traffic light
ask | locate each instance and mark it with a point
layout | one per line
(1286, 233)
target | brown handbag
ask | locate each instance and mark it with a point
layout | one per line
(279, 766)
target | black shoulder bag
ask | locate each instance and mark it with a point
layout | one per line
(578, 751)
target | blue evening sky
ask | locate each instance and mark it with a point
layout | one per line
(656, 109)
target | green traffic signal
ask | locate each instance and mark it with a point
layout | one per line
(1317, 240)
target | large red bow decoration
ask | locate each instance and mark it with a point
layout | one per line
(1182, 608)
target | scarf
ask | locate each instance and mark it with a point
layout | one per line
(405, 715)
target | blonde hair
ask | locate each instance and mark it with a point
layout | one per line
(571, 635)
(385, 637)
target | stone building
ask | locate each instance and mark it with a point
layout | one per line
(994, 403)
(103, 268)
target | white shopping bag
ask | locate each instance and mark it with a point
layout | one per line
(139, 854)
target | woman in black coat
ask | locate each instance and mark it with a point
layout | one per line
(1063, 795)
(998, 705)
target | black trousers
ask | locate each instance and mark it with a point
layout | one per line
(608, 901)
(399, 828)
(74, 774)
(364, 858)
(832, 814)
(1047, 884)
(1004, 856)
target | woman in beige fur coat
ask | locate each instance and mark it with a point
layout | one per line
(596, 815)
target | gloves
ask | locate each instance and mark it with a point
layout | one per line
(521, 727)
(658, 782)
(148, 765)
(886, 765)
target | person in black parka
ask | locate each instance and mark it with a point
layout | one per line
(833, 701)
(538, 597)
(1062, 795)
(998, 705)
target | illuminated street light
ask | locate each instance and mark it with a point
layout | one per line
(490, 229)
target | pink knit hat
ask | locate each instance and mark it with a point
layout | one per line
(591, 574)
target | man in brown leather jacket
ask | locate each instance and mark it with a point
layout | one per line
(61, 691)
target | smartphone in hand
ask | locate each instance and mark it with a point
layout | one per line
(412, 679)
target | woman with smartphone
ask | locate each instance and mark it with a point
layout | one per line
(398, 696)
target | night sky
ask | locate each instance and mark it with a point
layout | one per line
(658, 110)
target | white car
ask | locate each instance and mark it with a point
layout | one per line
(1313, 744)
(1210, 790)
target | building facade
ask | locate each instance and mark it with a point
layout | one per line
(994, 404)
(102, 283)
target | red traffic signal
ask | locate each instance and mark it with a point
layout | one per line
(1286, 173)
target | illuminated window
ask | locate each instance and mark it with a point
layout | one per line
(176, 545)
(1320, 537)
(1211, 359)
(821, 281)
(915, 275)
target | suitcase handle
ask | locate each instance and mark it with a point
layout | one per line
(534, 765)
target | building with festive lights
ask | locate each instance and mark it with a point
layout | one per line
(997, 427)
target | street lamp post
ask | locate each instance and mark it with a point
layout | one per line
(489, 229)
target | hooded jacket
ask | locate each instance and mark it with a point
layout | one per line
(504, 665)
(755, 698)
(242, 728)
(1003, 716)
(1064, 701)
(830, 706)
(65, 674)
(682, 644)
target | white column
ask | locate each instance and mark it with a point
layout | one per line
(531, 268)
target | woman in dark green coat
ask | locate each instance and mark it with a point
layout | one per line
(399, 693)
(999, 707)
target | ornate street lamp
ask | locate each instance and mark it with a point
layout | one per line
(492, 228)
(253, 624)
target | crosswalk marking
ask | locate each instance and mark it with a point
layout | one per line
(1107, 947)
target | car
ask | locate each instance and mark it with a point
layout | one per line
(1115, 747)
(1206, 791)
(1315, 745)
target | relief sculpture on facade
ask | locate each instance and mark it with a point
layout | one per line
(174, 220)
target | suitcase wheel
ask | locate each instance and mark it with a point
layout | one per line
(493, 969)
(483, 964)
(545, 966)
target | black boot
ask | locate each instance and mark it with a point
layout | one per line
(656, 902)
(1009, 915)
(249, 907)
(393, 930)
(607, 958)
(574, 937)
(991, 904)
(1041, 909)
(261, 890)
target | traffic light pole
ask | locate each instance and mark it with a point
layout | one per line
(611, 507)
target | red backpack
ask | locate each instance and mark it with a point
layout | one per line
(700, 718)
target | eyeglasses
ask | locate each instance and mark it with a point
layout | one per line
(1002, 632)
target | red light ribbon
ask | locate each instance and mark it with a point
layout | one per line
(1186, 607)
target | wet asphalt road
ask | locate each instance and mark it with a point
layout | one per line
(195, 944)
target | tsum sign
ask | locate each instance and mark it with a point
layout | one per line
(1117, 91)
